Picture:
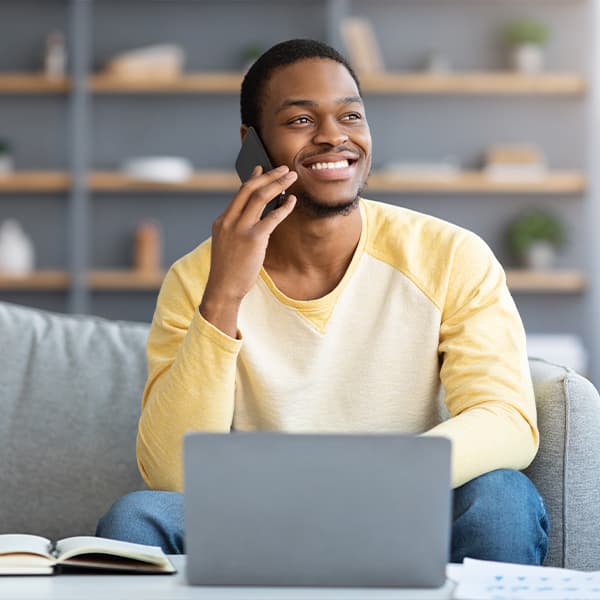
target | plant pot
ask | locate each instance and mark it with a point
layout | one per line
(6, 163)
(16, 249)
(540, 256)
(528, 58)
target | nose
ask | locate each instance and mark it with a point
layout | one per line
(330, 132)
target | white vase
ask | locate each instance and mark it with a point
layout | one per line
(6, 164)
(528, 58)
(16, 249)
(540, 256)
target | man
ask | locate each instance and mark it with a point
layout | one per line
(334, 313)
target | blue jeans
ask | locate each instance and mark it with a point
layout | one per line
(498, 516)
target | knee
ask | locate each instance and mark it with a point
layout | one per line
(123, 511)
(138, 509)
(503, 513)
(503, 493)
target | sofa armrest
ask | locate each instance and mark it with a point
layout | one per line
(566, 469)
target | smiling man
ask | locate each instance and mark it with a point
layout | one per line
(335, 313)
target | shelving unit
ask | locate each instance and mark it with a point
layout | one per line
(414, 116)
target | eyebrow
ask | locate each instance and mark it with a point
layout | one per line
(297, 102)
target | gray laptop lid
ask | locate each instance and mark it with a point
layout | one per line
(317, 510)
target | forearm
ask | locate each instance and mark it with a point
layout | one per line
(490, 436)
(193, 392)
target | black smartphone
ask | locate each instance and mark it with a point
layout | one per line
(253, 153)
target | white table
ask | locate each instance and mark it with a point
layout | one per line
(163, 587)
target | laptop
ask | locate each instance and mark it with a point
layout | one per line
(341, 510)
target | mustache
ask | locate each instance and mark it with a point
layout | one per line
(333, 150)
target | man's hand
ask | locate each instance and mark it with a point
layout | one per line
(239, 244)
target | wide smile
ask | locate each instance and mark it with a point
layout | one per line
(331, 168)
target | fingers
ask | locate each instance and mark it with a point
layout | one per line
(270, 222)
(257, 180)
(262, 196)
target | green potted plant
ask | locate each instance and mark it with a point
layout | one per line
(526, 39)
(535, 238)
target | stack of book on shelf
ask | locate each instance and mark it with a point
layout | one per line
(515, 163)
(160, 61)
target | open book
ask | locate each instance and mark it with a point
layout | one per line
(22, 554)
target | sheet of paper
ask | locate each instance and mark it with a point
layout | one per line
(486, 580)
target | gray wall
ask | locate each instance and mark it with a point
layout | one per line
(205, 128)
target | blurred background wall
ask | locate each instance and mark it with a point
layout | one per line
(66, 140)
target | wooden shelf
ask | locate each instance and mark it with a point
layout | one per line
(40, 280)
(222, 82)
(565, 182)
(473, 83)
(213, 181)
(557, 281)
(35, 181)
(192, 83)
(499, 82)
(118, 280)
(125, 279)
(568, 182)
(556, 182)
(31, 83)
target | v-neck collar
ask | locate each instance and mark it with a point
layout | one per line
(325, 304)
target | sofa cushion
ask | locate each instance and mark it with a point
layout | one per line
(70, 397)
(567, 465)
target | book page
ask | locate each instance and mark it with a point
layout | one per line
(19, 543)
(81, 545)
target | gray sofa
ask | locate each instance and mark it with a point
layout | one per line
(70, 390)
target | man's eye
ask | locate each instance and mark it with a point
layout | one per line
(300, 121)
(353, 117)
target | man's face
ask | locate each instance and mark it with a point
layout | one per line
(313, 120)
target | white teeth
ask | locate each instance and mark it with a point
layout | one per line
(340, 164)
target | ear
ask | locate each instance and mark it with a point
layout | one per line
(243, 131)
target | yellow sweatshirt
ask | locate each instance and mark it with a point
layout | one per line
(422, 309)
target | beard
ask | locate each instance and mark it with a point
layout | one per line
(315, 208)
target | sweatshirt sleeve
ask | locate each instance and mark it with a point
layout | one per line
(485, 371)
(191, 378)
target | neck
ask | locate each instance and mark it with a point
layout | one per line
(308, 256)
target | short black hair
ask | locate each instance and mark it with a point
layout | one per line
(280, 55)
